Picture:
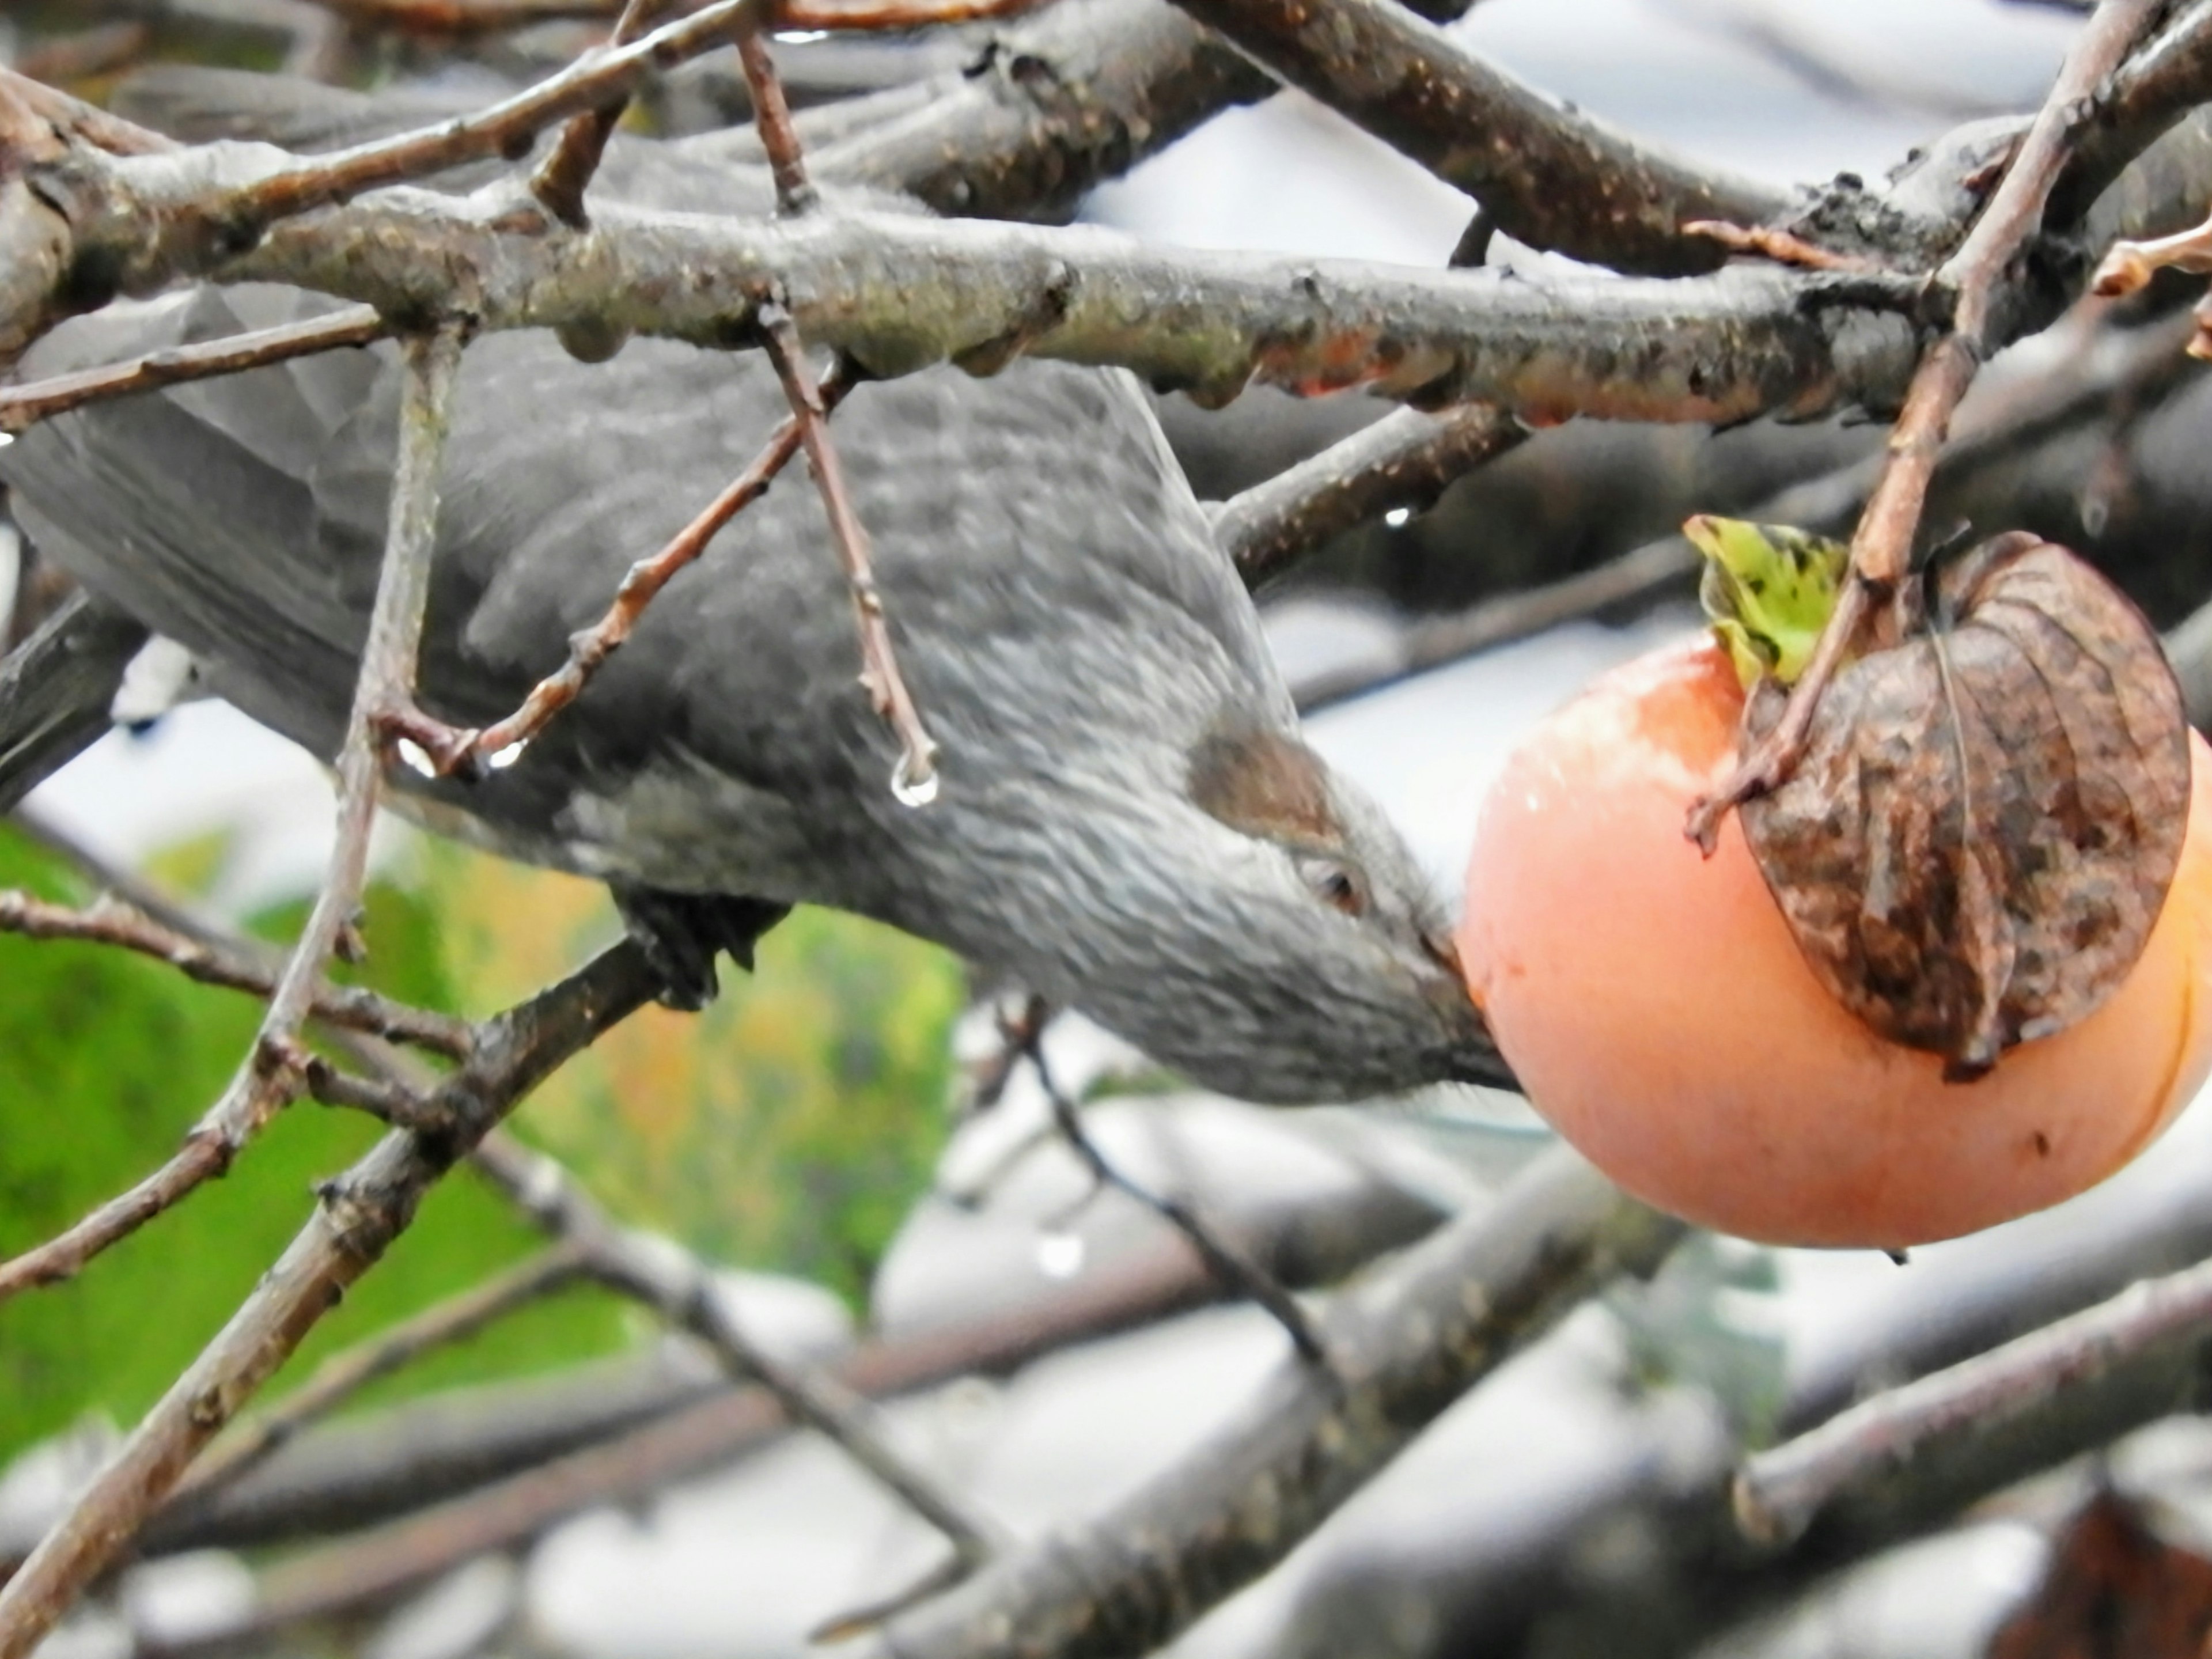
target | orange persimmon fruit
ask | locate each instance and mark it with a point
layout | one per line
(1658, 1009)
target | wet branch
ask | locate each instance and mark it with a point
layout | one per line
(1409, 1341)
(459, 750)
(1402, 462)
(1549, 176)
(1235, 1270)
(681, 1289)
(914, 779)
(1779, 1493)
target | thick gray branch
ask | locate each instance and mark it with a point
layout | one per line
(1405, 1346)
(1550, 176)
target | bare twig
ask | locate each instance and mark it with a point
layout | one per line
(1784, 247)
(915, 780)
(681, 1288)
(2081, 386)
(357, 1218)
(109, 922)
(1235, 1270)
(271, 1078)
(2161, 82)
(1549, 176)
(150, 1461)
(1779, 1492)
(1402, 462)
(699, 1434)
(23, 406)
(1881, 547)
(561, 178)
(772, 121)
(341, 1377)
(458, 750)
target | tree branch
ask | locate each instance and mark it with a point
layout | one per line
(109, 922)
(680, 1288)
(561, 178)
(23, 406)
(270, 1078)
(1972, 280)
(341, 1377)
(357, 1216)
(1401, 463)
(1550, 177)
(1779, 1492)
(1409, 1342)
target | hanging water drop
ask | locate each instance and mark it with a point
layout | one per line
(1398, 517)
(908, 790)
(1059, 1254)
(500, 759)
(417, 758)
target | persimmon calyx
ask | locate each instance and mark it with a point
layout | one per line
(1769, 590)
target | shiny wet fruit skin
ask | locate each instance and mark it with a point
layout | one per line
(1655, 1005)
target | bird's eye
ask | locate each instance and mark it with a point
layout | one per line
(1335, 884)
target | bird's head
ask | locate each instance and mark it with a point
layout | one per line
(1264, 930)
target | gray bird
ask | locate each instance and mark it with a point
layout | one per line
(1128, 822)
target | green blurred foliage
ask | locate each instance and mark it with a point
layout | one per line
(788, 1128)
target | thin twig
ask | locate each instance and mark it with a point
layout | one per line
(341, 1377)
(681, 1288)
(502, 129)
(561, 179)
(772, 121)
(22, 407)
(459, 750)
(269, 1079)
(1783, 247)
(915, 780)
(1401, 463)
(355, 1220)
(1779, 1492)
(112, 921)
(1231, 1266)
(1881, 547)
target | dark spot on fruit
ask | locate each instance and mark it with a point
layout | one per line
(2042, 1143)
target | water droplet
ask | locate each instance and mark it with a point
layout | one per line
(908, 790)
(500, 759)
(417, 758)
(799, 37)
(6, 438)
(1398, 517)
(1060, 1256)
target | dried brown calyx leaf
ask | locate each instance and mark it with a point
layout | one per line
(1979, 838)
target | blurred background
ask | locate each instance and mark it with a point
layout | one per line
(804, 1134)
